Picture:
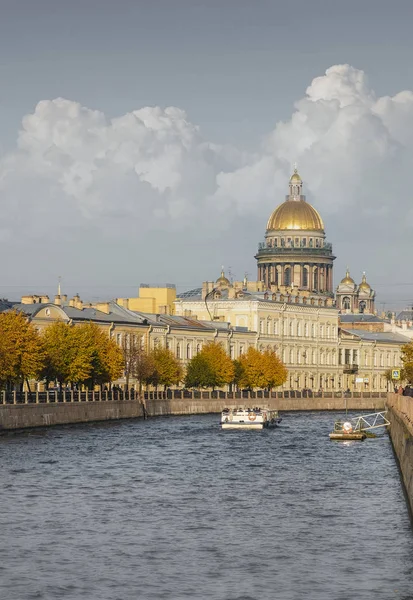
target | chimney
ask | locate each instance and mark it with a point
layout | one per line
(58, 301)
(64, 298)
(103, 307)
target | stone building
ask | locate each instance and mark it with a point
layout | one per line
(355, 299)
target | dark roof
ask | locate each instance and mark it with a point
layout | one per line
(405, 315)
(360, 318)
(5, 305)
(381, 336)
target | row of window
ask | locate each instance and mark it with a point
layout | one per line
(298, 329)
(294, 242)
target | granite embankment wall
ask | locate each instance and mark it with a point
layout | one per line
(400, 415)
(26, 415)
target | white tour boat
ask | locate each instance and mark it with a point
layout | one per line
(249, 418)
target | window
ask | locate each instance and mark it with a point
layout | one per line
(321, 331)
(178, 350)
(306, 329)
(291, 356)
(198, 348)
(315, 279)
(287, 276)
(362, 306)
(275, 327)
(241, 350)
(298, 329)
(262, 325)
(188, 351)
(346, 303)
(291, 329)
(231, 351)
(269, 322)
(119, 339)
(305, 277)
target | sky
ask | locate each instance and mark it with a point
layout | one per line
(148, 141)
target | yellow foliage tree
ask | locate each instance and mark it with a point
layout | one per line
(168, 370)
(21, 351)
(80, 354)
(106, 359)
(220, 365)
(261, 369)
(407, 359)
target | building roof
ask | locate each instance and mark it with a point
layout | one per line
(360, 318)
(405, 315)
(5, 305)
(381, 336)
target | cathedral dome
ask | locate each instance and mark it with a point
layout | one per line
(364, 286)
(222, 280)
(295, 214)
(347, 280)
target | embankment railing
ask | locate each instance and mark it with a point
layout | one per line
(73, 396)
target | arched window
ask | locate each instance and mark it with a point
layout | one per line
(188, 351)
(178, 350)
(198, 348)
(275, 327)
(313, 330)
(291, 328)
(298, 329)
(362, 306)
(269, 323)
(346, 303)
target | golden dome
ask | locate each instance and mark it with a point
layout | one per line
(295, 177)
(295, 214)
(364, 285)
(347, 280)
(222, 280)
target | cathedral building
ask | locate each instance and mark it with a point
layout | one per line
(295, 254)
(355, 299)
(292, 310)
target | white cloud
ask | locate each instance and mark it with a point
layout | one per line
(151, 172)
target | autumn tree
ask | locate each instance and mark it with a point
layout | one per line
(80, 354)
(407, 360)
(218, 367)
(68, 355)
(261, 369)
(106, 359)
(143, 367)
(21, 351)
(168, 370)
(132, 351)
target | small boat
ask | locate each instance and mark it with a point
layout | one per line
(249, 418)
(345, 431)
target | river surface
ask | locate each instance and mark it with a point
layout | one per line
(174, 508)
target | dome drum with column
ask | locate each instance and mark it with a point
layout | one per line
(295, 253)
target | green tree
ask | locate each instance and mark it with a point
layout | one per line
(21, 351)
(131, 351)
(199, 373)
(262, 369)
(168, 370)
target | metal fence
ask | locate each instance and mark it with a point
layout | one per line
(73, 396)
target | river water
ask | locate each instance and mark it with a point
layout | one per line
(174, 508)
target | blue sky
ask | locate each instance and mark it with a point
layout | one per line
(237, 69)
